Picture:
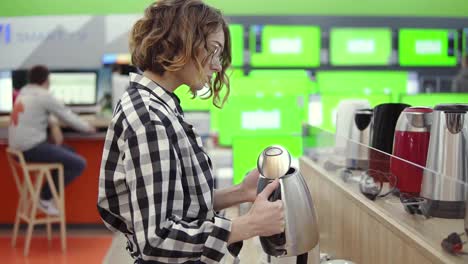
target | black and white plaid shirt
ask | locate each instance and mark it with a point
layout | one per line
(156, 183)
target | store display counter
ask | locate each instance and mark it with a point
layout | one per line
(355, 228)
(97, 121)
(80, 195)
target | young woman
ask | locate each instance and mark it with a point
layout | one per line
(156, 182)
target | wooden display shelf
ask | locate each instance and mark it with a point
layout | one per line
(355, 228)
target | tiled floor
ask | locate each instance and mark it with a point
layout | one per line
(90, 246)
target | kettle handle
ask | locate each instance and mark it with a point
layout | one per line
(276, 194)
(278, 239)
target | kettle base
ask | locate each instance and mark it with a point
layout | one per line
(444, 209)
(357, 164)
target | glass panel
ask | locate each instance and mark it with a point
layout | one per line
(427, 177)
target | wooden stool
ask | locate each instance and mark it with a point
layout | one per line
(29, 189)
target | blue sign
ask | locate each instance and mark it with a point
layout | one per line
(5, 33)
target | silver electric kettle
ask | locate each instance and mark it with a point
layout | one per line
(444, 182)
(357, 150)
(301, 230)
(345, 119)
(466, 212)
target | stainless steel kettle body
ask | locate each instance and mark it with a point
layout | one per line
(301, 230)
(444, 183)
(466, 212)
(357, 150)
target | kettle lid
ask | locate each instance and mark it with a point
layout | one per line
(274, 162)
(452, 108)
(418, 109)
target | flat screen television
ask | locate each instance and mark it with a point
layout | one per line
(76, 88)
(20, 78)
(6, 92)
(427, 47)
(188, 103)
(260, 116)
(360, 46)
(284, 46)
(237, 44)
(275, 82)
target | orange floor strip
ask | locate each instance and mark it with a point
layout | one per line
(80, 249)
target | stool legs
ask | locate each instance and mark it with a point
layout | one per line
(59, 199)
(35, 200)
(49, 230)
(19, 211)
(29, 189)
(63, 227)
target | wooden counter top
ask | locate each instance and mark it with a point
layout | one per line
(97, 121)
(364, 231)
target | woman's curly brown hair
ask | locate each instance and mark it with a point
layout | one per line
(173, 32)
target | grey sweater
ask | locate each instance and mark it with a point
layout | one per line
(30, 116)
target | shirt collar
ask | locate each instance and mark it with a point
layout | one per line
(169, 98)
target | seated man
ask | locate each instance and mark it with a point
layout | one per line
(27, 132)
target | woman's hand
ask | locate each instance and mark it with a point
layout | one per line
(267, 217)
(249, 185)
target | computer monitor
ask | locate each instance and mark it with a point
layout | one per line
(6, 92)
(74, 88)
(20, 78)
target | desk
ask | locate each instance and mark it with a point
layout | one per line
(355, 228)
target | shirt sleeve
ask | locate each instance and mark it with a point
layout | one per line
(156, 202)
(63, 113)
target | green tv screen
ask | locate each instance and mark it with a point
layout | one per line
(237, 44)
(260, 116)
(268, 83)
(360, 46)
(189, 103)
(284, 46)
(427, 47)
